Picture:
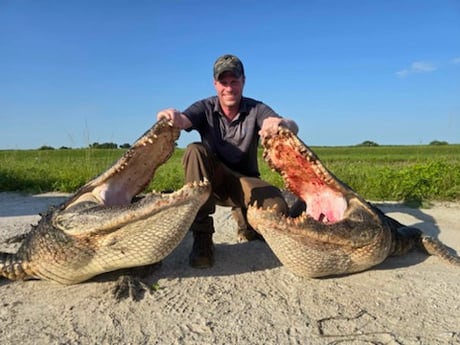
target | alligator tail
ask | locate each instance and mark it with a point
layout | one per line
(406, 238)
(11, 267)
(435, 247)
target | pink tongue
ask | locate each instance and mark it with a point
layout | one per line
(326, 207)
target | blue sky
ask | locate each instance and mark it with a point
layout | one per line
(77, 72)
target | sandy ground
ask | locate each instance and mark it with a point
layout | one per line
(247, 298)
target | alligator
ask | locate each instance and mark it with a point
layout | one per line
(339, 232)
(107, 224)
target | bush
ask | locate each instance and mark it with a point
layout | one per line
(45, 147)
(437, 142)
(103, 146)
(368, 143)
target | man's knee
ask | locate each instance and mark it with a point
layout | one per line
(194, 150)
(264, 194)
(194, 147)
(269, 197)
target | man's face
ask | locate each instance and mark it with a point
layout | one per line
(229, 89)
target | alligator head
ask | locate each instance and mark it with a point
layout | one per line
(340, 232)
(104, 227)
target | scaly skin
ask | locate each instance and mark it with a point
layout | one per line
(99, 229)
(340, 232)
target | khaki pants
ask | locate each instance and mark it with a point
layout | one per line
(229, 188)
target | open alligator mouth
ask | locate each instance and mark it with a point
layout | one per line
(304, 175)
(340, 232)
(104, 227)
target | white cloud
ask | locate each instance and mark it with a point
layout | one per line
(417, 67)
(402, 73)
(420, 66)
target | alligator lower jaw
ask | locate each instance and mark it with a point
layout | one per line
(112, 238)
(100, 219)
(312, 249)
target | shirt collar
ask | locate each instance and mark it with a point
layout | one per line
(243, 106)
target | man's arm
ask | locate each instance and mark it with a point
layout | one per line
(175, 118)
(291, 124)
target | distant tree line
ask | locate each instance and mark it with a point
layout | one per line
(95, 145)
(373, 143)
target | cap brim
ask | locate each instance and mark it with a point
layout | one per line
(236, 72)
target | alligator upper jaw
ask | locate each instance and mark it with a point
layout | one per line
(130, 174)
(327, 198)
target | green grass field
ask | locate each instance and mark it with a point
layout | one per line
(402, 173)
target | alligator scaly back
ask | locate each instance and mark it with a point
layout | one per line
(340, 232)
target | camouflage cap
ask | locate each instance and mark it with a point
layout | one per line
(228, 63)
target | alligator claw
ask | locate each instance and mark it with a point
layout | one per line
(16, 239)
(129, 287)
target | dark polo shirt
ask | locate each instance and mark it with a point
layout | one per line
(234, 142)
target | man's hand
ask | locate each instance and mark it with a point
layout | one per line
(175, 118)
(271, 124)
